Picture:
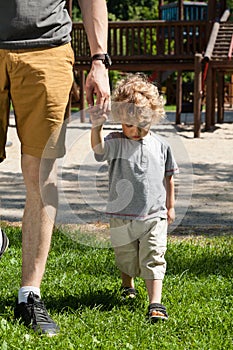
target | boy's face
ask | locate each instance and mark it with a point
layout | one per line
(136, 132)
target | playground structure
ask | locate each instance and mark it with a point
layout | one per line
(201, 46)
(190, 11)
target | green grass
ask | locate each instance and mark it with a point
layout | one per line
(170, 108)
(81, 291)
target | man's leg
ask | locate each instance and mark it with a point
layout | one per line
(39, 216)
(37, 227)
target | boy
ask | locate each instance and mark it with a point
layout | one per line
(141, 187)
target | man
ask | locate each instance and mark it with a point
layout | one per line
(36, 75)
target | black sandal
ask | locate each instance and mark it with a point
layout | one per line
(157, 312)
(128, 293)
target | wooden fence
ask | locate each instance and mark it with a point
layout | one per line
(148, 43)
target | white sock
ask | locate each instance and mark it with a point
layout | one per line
(0, 239)
(24, 292)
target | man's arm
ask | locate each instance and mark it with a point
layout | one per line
(170, 199)
(95, 20)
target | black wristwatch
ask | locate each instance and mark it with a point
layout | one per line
(105, 58)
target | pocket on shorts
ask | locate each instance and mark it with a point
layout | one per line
(69, 52)
(158, 231)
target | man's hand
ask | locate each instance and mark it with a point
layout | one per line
(97, 84)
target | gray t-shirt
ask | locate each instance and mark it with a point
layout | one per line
(33, 23)
(137, 171)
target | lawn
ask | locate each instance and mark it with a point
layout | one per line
(81, 291)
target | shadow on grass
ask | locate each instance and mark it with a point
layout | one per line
(103, 300)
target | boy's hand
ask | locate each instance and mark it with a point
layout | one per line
(171, 215)
(98, 116)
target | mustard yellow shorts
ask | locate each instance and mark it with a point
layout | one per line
(38, 83)
(140, 246)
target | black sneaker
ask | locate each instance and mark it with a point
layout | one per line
(5, 242)
(34, 314)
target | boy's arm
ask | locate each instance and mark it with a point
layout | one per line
(170, 199)
(97, 140)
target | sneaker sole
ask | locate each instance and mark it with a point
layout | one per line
(5, 243)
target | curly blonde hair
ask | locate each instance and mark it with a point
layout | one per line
(135, 99)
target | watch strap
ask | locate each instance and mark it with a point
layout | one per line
(105, 58)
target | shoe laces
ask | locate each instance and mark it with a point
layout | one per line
(38, 310)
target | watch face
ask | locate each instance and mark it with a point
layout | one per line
(107, 61)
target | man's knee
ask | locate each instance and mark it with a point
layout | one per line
(38, 171)
(31, 170)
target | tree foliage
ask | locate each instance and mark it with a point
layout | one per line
(230, 4)
(133, 9)
(126, 10)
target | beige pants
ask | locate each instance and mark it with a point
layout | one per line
(140, 246)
